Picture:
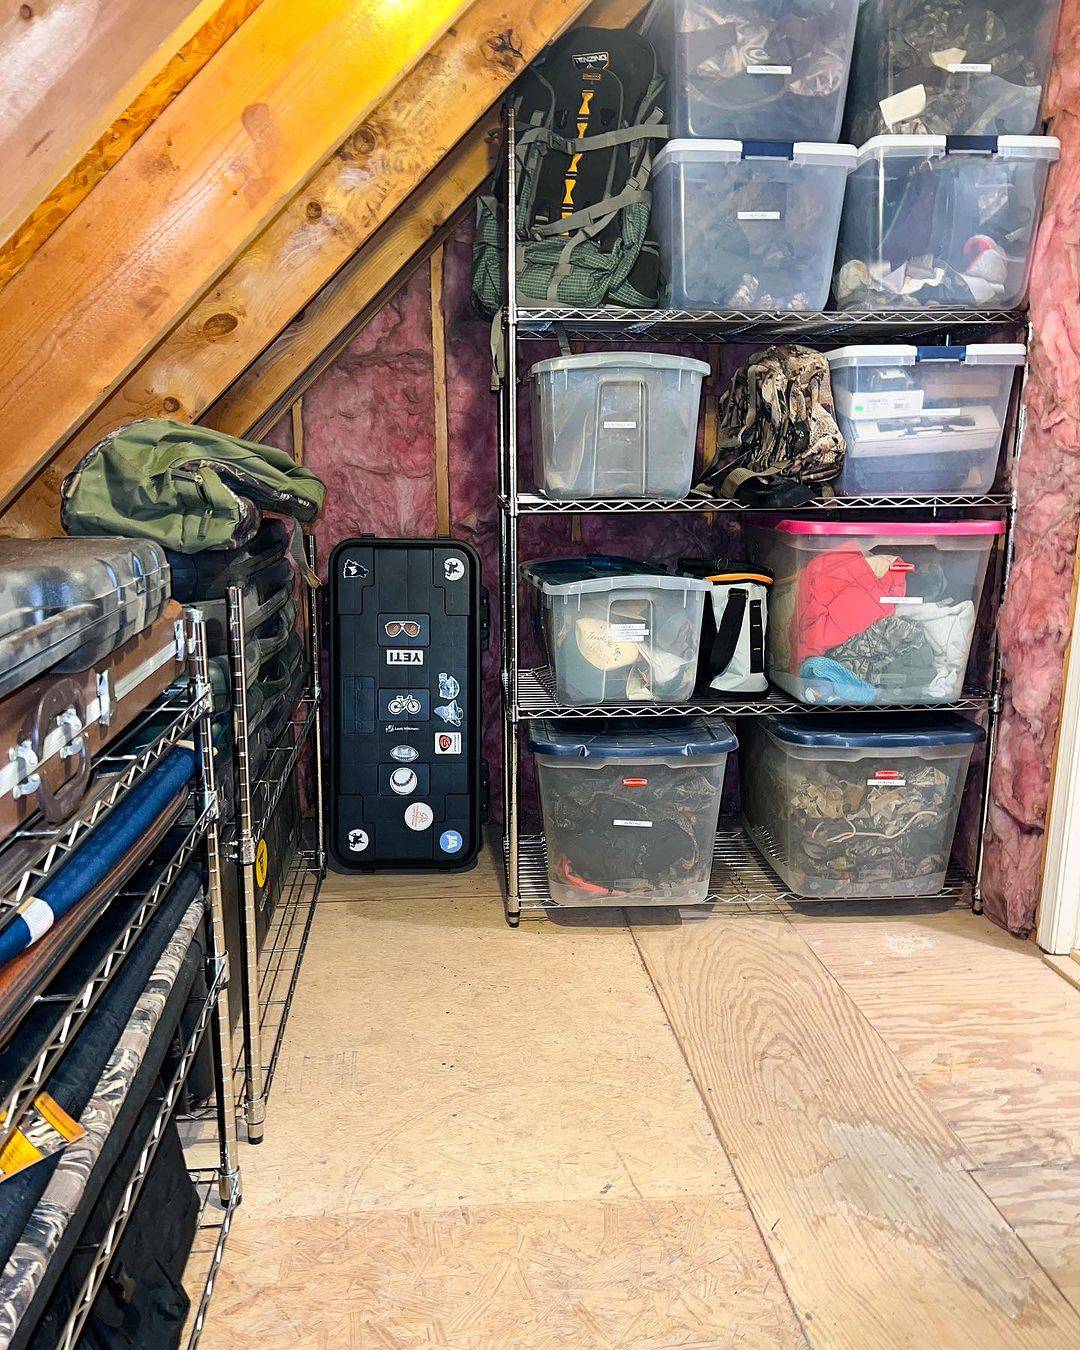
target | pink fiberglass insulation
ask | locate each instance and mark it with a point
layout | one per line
(1035, 622)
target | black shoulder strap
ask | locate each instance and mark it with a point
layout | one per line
(727, 631)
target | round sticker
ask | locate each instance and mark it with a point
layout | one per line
(262, 863)
(358, 841)
(450, 841)
(419, 816)
(403, 781)
(404, 754)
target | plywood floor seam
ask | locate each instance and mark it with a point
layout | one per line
(743, 1132)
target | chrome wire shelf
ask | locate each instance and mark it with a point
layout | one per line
(813, 327)
(71, 1007)
(281, 759)
(536, 698)
(741, 877)
(531, 503)
(212, 1230)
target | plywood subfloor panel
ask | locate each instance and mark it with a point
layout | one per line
(1043, 1205)
(633, 1273)
(986, 1029)
(881, 1236)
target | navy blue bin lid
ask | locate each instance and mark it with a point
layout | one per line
(860, 731)
(589, 568)
(632, 737)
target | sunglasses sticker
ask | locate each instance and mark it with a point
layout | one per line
(404, 630)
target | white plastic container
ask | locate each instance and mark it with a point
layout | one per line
(615, 424)
(748, 225)
(616, 630)
(630, 809)
(932, 222)
(856, 805)
(873, 612)
(964, 68)
(775, 72)
(922, 419)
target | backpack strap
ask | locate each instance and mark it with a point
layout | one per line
(728, 630)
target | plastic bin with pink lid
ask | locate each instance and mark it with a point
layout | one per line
(877, 613)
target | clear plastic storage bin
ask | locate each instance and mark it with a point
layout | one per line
(616, 630)
(928, 223)
(873, 612)
(748, 225)
(950, 67)
(615, 424)
(772, 69)
(848, 806)
(922, 419)
(630, 809)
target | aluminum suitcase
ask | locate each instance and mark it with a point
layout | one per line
(51, 728)
(66, 603)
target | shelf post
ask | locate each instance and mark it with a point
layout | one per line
(315, 657)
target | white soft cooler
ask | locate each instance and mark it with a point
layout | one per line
(615, 424)
(922, 419)
(748, 225)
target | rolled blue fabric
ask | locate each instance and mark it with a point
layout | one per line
(100, 852)
(833, 680)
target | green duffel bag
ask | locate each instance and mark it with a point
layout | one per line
(188, 488)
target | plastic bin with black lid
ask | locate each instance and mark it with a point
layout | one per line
(936, 222)
(853, 805)
(873, 612)
(617, 630)
(748, 225)
(961, 67)
(773, 69)
(615, 424)
(630, 809)
(926, 419)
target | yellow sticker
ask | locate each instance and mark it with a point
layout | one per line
(262, 861)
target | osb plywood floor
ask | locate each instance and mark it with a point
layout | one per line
(742, 1130)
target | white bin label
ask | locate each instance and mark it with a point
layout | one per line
(620, 426)
(886, 778)
(768, 70)
(629, 632)
(969, 67)
(906, 403)
(634, 824)
(900, 600)
(758, 215)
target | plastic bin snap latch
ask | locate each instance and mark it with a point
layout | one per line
(26, 761)
(971, 145)
(768, 150)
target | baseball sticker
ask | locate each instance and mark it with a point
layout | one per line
(448, 742)
(418, 816)
(403, 781)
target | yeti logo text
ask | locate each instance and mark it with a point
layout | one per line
(404, 656)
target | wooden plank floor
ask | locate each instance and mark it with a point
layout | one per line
(747, 1130)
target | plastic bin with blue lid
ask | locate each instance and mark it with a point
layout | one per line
(615, 424)
(922, 419)
(758, 68)
(852, 805)
(873, 612)
(963, 67)
(616, 630)
(748, 225)
(936, 222)
(630, 807)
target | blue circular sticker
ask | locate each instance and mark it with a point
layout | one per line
(450, 841)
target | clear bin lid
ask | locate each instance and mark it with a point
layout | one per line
(601, 571)
(935, 147)
(890, 529)
(717, 152)
(862, 731)
(630, 738)
(620, 361)
(969, 354)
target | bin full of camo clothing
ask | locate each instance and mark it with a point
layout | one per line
(922, 419)
(748, 225)
(630, 806)
(615, 424)
(936, 222)
(873, 612)
(770, 69)
(959, 67)
(848, 805)
(616, 630)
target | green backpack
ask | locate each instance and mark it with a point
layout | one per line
(188, 488)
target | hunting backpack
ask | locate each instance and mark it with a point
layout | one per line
(588, 118)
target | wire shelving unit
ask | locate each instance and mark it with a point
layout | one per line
(740, 872)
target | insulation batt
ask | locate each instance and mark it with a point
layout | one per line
(1035, 621)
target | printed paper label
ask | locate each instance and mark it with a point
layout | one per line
(629, 632)
(634, 824)
(757, 215)
(620, 426)
(768, 70)
(887, 778)
(903, 403)
(969, 68)
(900, 600)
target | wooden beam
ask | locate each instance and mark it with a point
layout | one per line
(297, 411)
(342, 207)
(71, 67)
(438, 381)
(149, 102)
(195, 189)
